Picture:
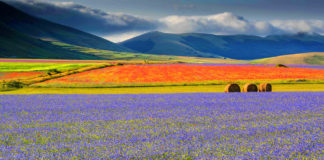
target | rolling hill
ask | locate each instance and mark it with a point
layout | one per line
(315, 58)
(140, 57)
(23, 36)
(243, 47)
(40, 28)
(17, 45)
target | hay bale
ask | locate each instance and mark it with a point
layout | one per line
(265, 87)
(232, 88)
(250, 87)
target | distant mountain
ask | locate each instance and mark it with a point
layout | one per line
(17, 45)
(314, 58)
(40, 28)
(243, 47)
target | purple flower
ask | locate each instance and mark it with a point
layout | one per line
(162, 126)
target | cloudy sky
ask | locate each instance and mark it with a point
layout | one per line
(118, 20)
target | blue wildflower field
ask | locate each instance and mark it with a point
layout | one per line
(163, 126)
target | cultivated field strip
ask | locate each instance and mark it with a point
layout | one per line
(163, 126)
(182, 74)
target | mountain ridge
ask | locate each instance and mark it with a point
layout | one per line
(244, 47)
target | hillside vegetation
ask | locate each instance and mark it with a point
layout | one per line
(140, 57)
(316, 58)
(17, 45)
(40, 28)
(30, 67)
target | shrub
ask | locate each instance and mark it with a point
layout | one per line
(14, 84)
(53, 71)
(301, 80)
(281, 65)
(3, 84)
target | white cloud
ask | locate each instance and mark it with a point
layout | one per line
(228, 23)
(263, 27)
(119, 26)
(293, 26)
(120, 37)
(84, 18)
(224, 23)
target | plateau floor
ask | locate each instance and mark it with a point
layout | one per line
(169, 89)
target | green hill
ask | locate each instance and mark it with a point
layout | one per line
(315, 58)
(126, 56)
(40, 28)
(17, 45)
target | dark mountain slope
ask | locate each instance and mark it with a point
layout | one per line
(234, 46)
(40, 28)
(17, 45)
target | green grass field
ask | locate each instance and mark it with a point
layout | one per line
(313, 58)
(28, 67)
(147, 90)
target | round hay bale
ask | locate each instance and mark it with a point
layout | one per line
(265, 87)
(250, 87)
(232, 88)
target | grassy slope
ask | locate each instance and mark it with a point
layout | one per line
(315, 58)
(147, 90)
(126, 56)
(28, 67)
(17, 45)
(37, 27)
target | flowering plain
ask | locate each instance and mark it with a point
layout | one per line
(278, 125)
(181, 73)
(21, 70)
(18, 75)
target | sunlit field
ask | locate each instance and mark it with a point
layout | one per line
(161, 80)
(162, 126)
(161, 89)
(39, 66)
(168, 74)
(18, 75)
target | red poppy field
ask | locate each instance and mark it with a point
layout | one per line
(182, 73)
(18, 75)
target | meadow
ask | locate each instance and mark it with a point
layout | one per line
(136, 77)
(139, 57)
(184, 74)
(39, 66)
(114, 110)
(179, 80)
(295, 87)
(163, 126)
(18, 75)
